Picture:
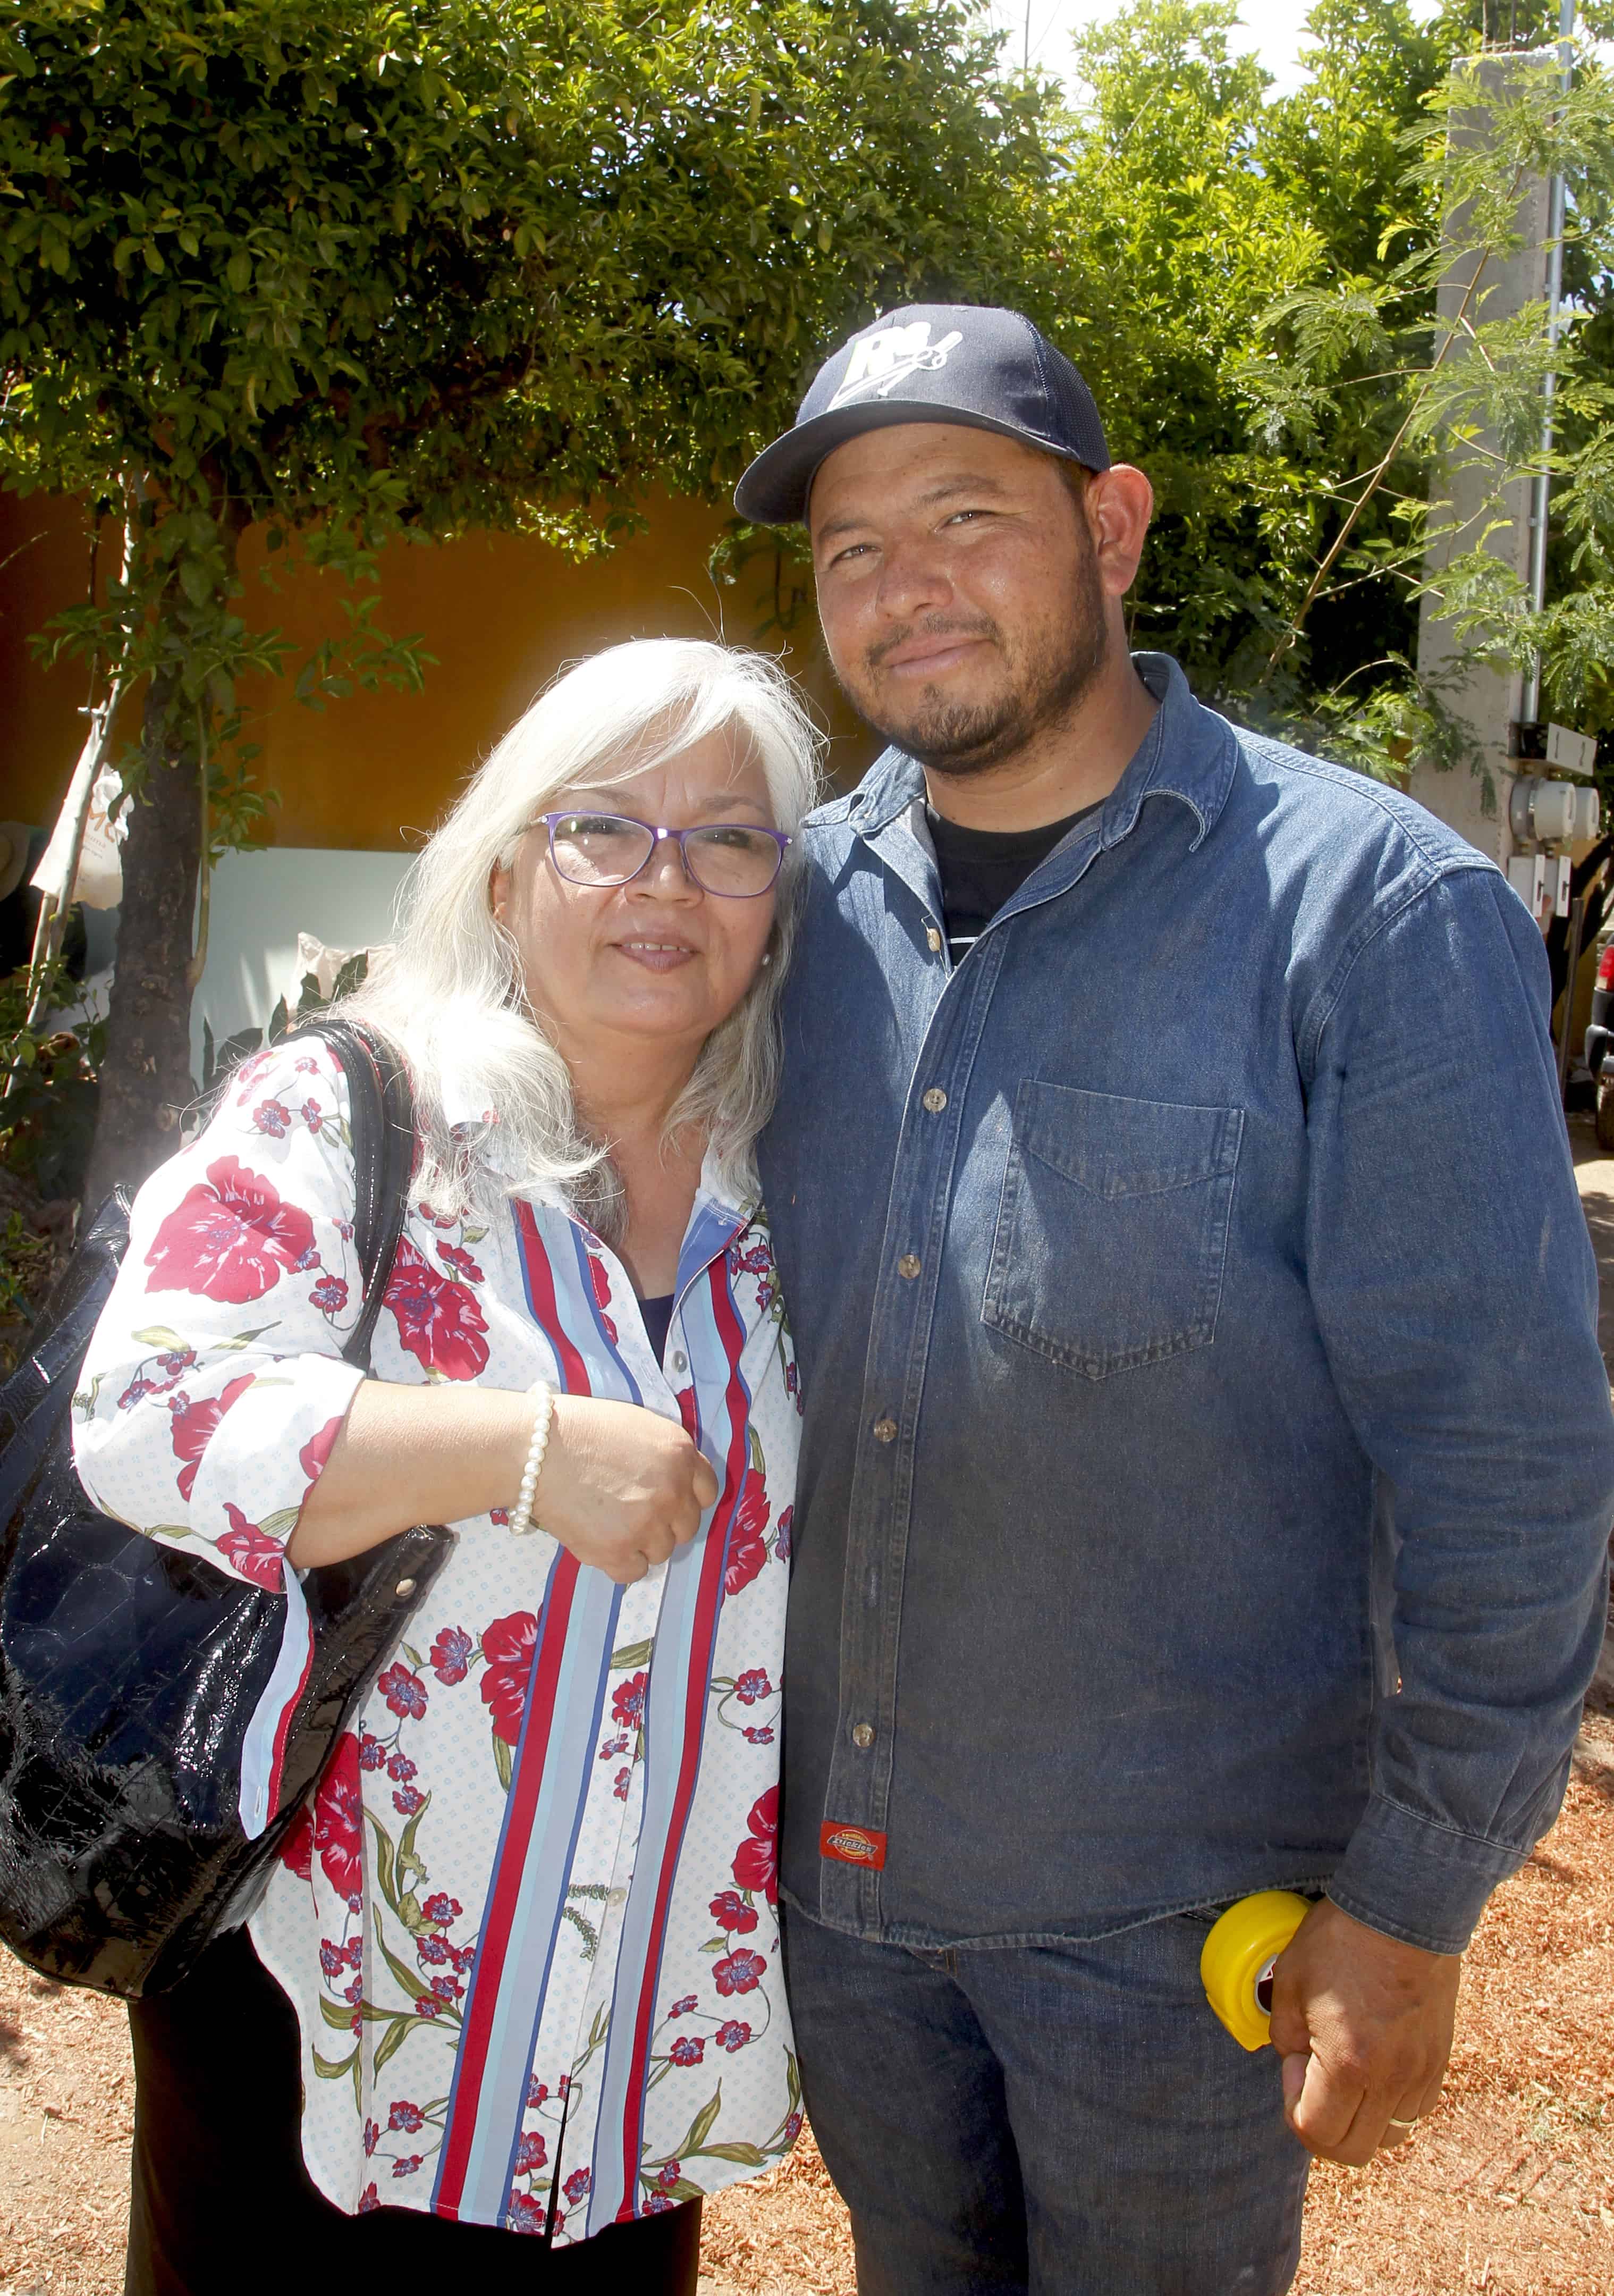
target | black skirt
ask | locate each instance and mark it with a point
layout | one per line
(219, 2198)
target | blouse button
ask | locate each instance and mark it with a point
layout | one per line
(934, 939)
(907, 1267)
(885, 1431)
(680, 1361)
(862, 1736)
(934, 1101)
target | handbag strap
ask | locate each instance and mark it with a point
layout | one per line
(380, 1121)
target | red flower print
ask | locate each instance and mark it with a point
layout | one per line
(372, 1753)
(231, 1239)
(531, 2153)
(527, 2215)
(577, 2184)
(747, 1538)
(406, 2116)
(508, 1645)
(367, 2200)
(759, 1736)
(729, 1911)
(373, 2136)
(792, 2129)
(297, 1844)
(193, 1423)
(339, 1818)
(407, 1799)
(455, 1256)
(449, 1657)
(439, 1323)
(627, 1702)
(739, 1970)
(317, 1450)
(733, 2035)
(756, 1860)
(619, 1784)
(782, 1535)
(442, 1908)
(329, 1295)
(313, 1115)
(670, 2174)
(255, 1555)
(400, 1769)
(272, 1117)
(406, 2164)
(688, 2049)
(404, 1692)
(437, 1220)
(682, 2007)
(248, 1074)
(752, 1686)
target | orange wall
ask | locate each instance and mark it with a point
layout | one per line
(500, 614)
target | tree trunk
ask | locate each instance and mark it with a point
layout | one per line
(145, 1077)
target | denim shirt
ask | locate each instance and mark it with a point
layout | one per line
(1208, 1464)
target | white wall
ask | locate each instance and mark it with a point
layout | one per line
(260, 902)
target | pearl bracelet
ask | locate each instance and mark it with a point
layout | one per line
(520, 1514)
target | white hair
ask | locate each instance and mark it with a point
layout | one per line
(451, 996)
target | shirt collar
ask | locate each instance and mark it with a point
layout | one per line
(477, 1126)
(1188, 753)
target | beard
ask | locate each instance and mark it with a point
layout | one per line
(1047, 676)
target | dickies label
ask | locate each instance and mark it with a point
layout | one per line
(853, 1845)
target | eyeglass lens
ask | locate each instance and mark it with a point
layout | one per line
(607, 848)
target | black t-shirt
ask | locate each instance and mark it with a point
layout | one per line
(982, 868)
(658, 1314)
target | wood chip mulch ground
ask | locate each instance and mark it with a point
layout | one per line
(1509, 2189)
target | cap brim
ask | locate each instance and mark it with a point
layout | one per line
(774, 490)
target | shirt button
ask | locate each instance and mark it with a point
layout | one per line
(934, 938)
(885, 1431)
(680, 1363)
(934, 1101)
(862, 1736)
(907, 1266)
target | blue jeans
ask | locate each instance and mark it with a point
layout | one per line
(1065, 2121)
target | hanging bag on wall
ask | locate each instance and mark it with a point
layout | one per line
(129, 1672)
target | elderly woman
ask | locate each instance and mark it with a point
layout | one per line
(519, 1972)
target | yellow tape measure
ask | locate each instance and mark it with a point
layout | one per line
(1238, 1957)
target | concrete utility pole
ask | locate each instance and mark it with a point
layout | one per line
(1486, 702)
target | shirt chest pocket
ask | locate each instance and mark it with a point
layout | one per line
(1112, 1226)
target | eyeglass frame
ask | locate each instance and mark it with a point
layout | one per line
(660, 835)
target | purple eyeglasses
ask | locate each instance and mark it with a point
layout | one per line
(734, 859)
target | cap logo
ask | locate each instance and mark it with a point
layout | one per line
(879, 362)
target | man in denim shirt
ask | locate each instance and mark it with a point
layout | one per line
(1209, 1462)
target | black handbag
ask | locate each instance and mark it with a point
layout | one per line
(129, 1671)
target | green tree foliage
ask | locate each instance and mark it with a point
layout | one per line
(1252, 286)
(349, 270)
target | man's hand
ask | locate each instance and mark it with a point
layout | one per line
(1364, 2026)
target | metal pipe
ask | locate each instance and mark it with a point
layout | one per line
(1541, 485)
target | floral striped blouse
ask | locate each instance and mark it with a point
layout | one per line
(528, 1921)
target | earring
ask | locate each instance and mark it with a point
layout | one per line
(769, 959)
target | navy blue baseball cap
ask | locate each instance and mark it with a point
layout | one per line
(929, 363)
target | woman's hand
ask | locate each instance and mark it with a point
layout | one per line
(621, 1488)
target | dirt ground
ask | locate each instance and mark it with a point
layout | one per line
(1509, 2188)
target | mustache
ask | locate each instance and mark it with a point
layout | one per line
(933, 625)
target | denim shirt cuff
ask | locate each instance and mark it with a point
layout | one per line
(1418, 1880)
